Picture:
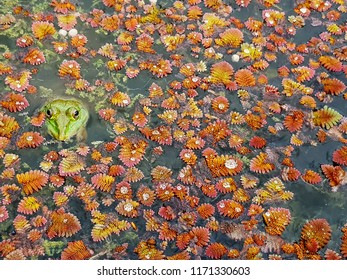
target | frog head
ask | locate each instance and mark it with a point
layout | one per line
(66, 118)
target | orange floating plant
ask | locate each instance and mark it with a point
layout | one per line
(146, 196)
(235, 141)
(131, 24)
(120, 99)
(274, 191)
(60, 47)
(29, 140)
(251, 24)
(167, 212)
(123, 191)
(226, 185)
(116, 170)
(24, 41)
(331, 255)
(182, 240)
(205, 210)
(241, 195)
(128, 208)
(132, 72)
(139, 119)
(343, 246)
(62, 6)
(230, 208)
(28, 205)
(340, 156)
(133, 174)
(131, 153)
(32, 181)
(261, 65)
(3, 214)
(19, 82)
(105, 225)
(21, 224)
(71, 165)
(218, 130)
(169, 116)
(76, 250)
(67, 21)
(70, 68)
(34, 235)
(161, 174)
(249, 181)
(147, 250)
(188, 156)
(38, 221)
(308, 101)
(209, 190)
(116, 64)
(254, 121)
(294, 121)
(257, 142)
(245, 78)
(34, 57)
(60, 199)
(303, 73)
(160, 134)
(326, 117)
(331, 63)
(5, 69)
(311, 177)
(42, 29)
(221, 72)
(290, 174)
(165, 192)
(81, 84)
(335, 174)
(216, 250)
(333, 86)
(144, 43)
(317, 231)
(103, 182)
(110, 23)
(62, 224)
(231, 37)
(260, 164)
(276, 220)
(160, 68)
(14, 102)
(224, 165)
(200, 235)
(186, 175)
(296, 59)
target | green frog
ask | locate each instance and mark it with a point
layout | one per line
(66, 118)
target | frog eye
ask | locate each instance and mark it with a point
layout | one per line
(73, 113)
(49, 113)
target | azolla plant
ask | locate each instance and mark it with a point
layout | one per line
(200, 112)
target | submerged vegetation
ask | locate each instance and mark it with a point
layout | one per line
(211, 122)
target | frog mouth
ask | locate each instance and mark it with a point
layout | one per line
(62, 138)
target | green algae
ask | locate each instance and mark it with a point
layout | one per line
(53, 248)
(19, 28)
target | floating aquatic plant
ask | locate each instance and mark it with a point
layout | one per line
(326, 117)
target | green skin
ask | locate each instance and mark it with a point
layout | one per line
(66, 118)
